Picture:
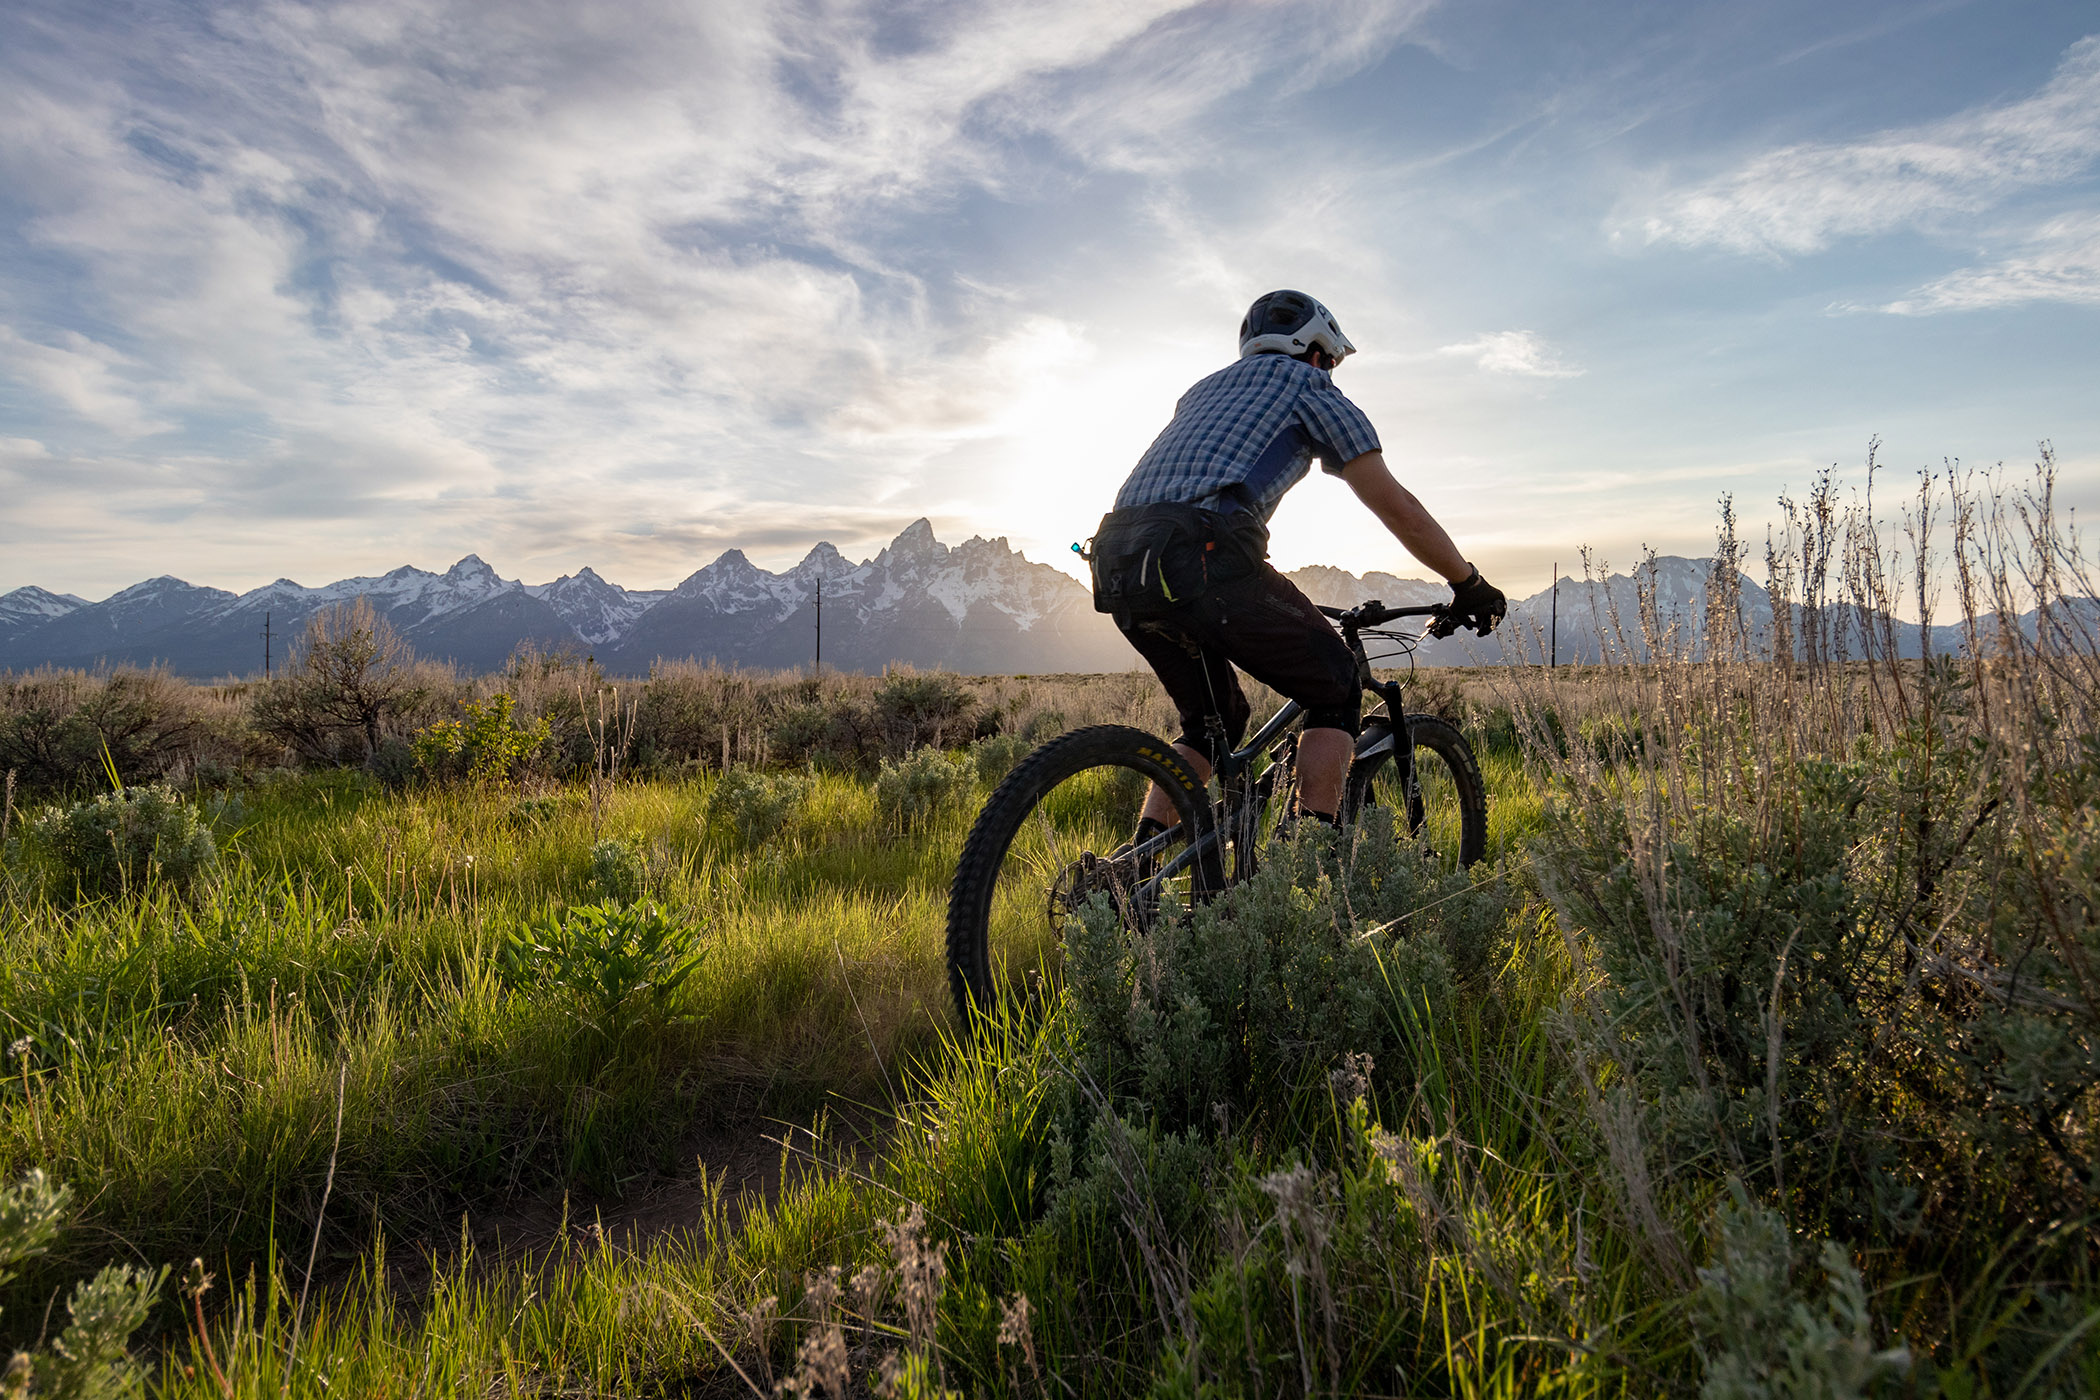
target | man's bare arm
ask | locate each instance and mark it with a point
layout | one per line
(1399, 511)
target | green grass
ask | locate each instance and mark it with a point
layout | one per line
(183, 1058)
(184, 1061)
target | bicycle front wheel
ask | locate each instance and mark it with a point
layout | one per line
(1434, 790)
(1051, 838)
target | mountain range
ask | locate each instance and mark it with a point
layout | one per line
(979, 607)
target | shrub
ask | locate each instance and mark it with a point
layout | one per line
(842, 733)
(618, 962)
(1767, 955)
(565, 687)
(803, 732)
(1837, 912)
(685, 711)
(394, 763)
(351, 677)
(755, 806)
(996, 756)
(932, 709)
(1263, 989)
(55, 726)
(921, 786)
(121, 840)
(90, 1359)
(488, 747)
(619, 872)
(1761, 1333)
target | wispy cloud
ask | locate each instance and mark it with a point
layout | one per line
(1512, 352)
(85, 376)
(692, 263)
(2060, 263)
(1801, 198)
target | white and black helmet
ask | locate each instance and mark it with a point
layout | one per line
(1291, 323)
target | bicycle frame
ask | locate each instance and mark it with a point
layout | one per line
(1238, 796)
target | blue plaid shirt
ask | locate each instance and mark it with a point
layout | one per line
(1256, 424)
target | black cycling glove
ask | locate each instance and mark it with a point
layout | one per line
(1475, 603)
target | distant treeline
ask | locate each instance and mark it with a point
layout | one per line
(354, 694)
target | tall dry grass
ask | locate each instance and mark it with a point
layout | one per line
(1832, 904)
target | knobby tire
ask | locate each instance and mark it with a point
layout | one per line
(1448, 774)
(971, 965)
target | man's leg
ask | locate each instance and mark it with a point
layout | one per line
(1200, 682)
(1273, 632)
(1323, 766)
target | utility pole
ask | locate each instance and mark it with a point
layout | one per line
(1556, 613)
(266, 646)
(818, 669)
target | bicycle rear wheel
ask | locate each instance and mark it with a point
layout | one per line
(1048, 841)
(1436, 794)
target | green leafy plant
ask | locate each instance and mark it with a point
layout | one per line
(91, 1359)
(120, 841)
(487, 748)
(620, 962)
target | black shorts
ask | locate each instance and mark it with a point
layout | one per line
(1265, 626)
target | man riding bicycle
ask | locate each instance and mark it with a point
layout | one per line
(1182, 561)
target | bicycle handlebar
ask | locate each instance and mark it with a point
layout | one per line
(1373, 613)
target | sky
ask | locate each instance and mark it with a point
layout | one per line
(321, 289)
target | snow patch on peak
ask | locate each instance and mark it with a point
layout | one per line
(31, 601)
(471, 566)
(597, 611)
(916, 540)
(823, 558)
(149, 588)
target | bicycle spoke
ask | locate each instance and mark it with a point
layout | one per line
(1437, 800)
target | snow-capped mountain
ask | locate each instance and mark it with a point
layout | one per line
(29, 608)
(596, 611)
(1336, 588)
(979, 606)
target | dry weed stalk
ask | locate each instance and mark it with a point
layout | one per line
(821, 1366)
(1017, 1329)
(1307, 1226)
(757, 1324)
(922, 1272)
(1684, 729)
(611, 737)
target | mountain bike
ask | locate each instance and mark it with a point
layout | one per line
(1054, 833)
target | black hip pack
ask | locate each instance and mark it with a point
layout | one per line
(1149, 560)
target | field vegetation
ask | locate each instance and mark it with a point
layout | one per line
(374, 1030)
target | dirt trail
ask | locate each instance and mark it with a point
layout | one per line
(741, 1156)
